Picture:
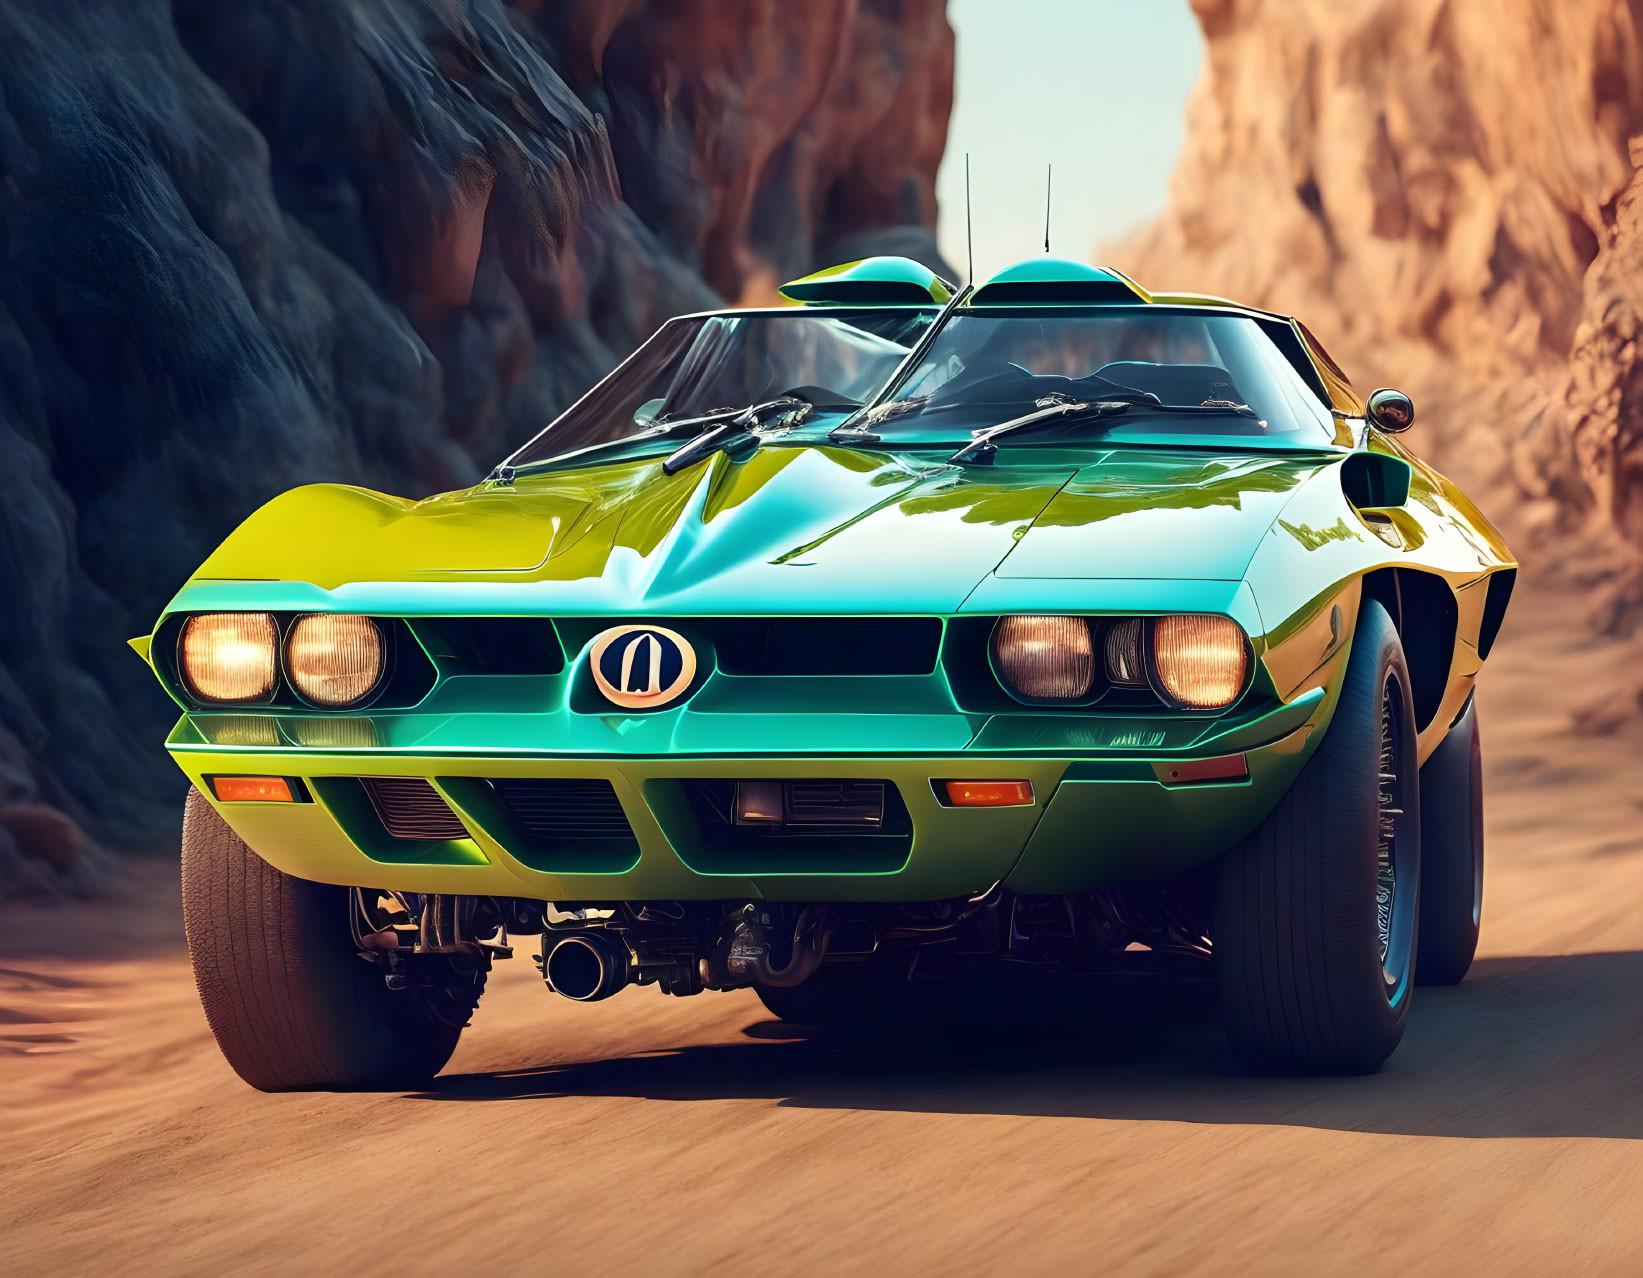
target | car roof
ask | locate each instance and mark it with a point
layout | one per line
(900, 283)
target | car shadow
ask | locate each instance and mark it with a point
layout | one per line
(1525, 1047)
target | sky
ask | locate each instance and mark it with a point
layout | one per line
(1095, 87)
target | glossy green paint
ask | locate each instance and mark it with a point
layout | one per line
(1159, 514)
(874, 281)
(1129, 829)
(777, 533)
(783, 531)
(806, 527)
(953, 851)
(1114, 534)
(1045, 280)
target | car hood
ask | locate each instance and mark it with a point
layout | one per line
(790, 529)
(1150, 513)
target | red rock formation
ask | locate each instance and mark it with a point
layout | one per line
(1445, 190)
(1602, 402)
(755, 138)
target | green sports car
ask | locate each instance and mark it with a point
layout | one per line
(841, 650)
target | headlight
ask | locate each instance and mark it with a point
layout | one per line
(229, 656)
(1045, 658)
(334, 659)
(1200, 660)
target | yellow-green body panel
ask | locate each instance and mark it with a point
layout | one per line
(801, 528)
(1127, 824)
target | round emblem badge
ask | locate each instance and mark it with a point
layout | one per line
(641, 667)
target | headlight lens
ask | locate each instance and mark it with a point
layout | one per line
(334, 659)
(229, 656)
(1200, 660)
(1045, 658)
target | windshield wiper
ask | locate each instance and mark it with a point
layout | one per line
(861, 432)
(982, 449)
(733, 434)
(690, 428)
(661, 429)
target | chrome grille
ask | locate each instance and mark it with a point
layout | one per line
(410, 808)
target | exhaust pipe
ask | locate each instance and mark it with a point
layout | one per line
(587, 967)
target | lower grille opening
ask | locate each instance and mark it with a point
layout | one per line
(410, 808)
(562, 808)
(820, 826)
(397, 820)
(559, 825)
(810, 805)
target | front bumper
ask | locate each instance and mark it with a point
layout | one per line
(1100, 817)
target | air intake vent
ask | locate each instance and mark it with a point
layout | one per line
(828, 645)
(836, 803)
(494, 645)
(410, 808)
(564, 809)
(1494, 608)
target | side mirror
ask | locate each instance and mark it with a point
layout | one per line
(644, 417)
(1391, 411)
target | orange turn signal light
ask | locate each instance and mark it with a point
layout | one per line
(988, 794)
(253, 789)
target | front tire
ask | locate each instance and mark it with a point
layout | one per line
(1316, 912)
(290, 1002)
(1451, 854)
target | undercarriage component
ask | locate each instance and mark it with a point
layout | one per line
(586, 966)
(389, 927)
(591, 950)
(1169, 920)
(630, 943)
(759, 950)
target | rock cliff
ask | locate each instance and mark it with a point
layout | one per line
(248, 246)
(1446, 190)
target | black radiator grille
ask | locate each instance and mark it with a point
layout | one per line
(840, 803)
(827, 645)
(410, 808)
(563, 808)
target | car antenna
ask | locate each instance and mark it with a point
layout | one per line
(969, 233)
(1049, 170)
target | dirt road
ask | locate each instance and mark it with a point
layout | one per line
(1102, 1132)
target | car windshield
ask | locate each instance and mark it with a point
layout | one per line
(988, 367)
(701, 365)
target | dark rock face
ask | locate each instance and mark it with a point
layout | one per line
(789, 129)
(255, 245)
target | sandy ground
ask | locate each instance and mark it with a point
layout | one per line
(1102, 1130)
